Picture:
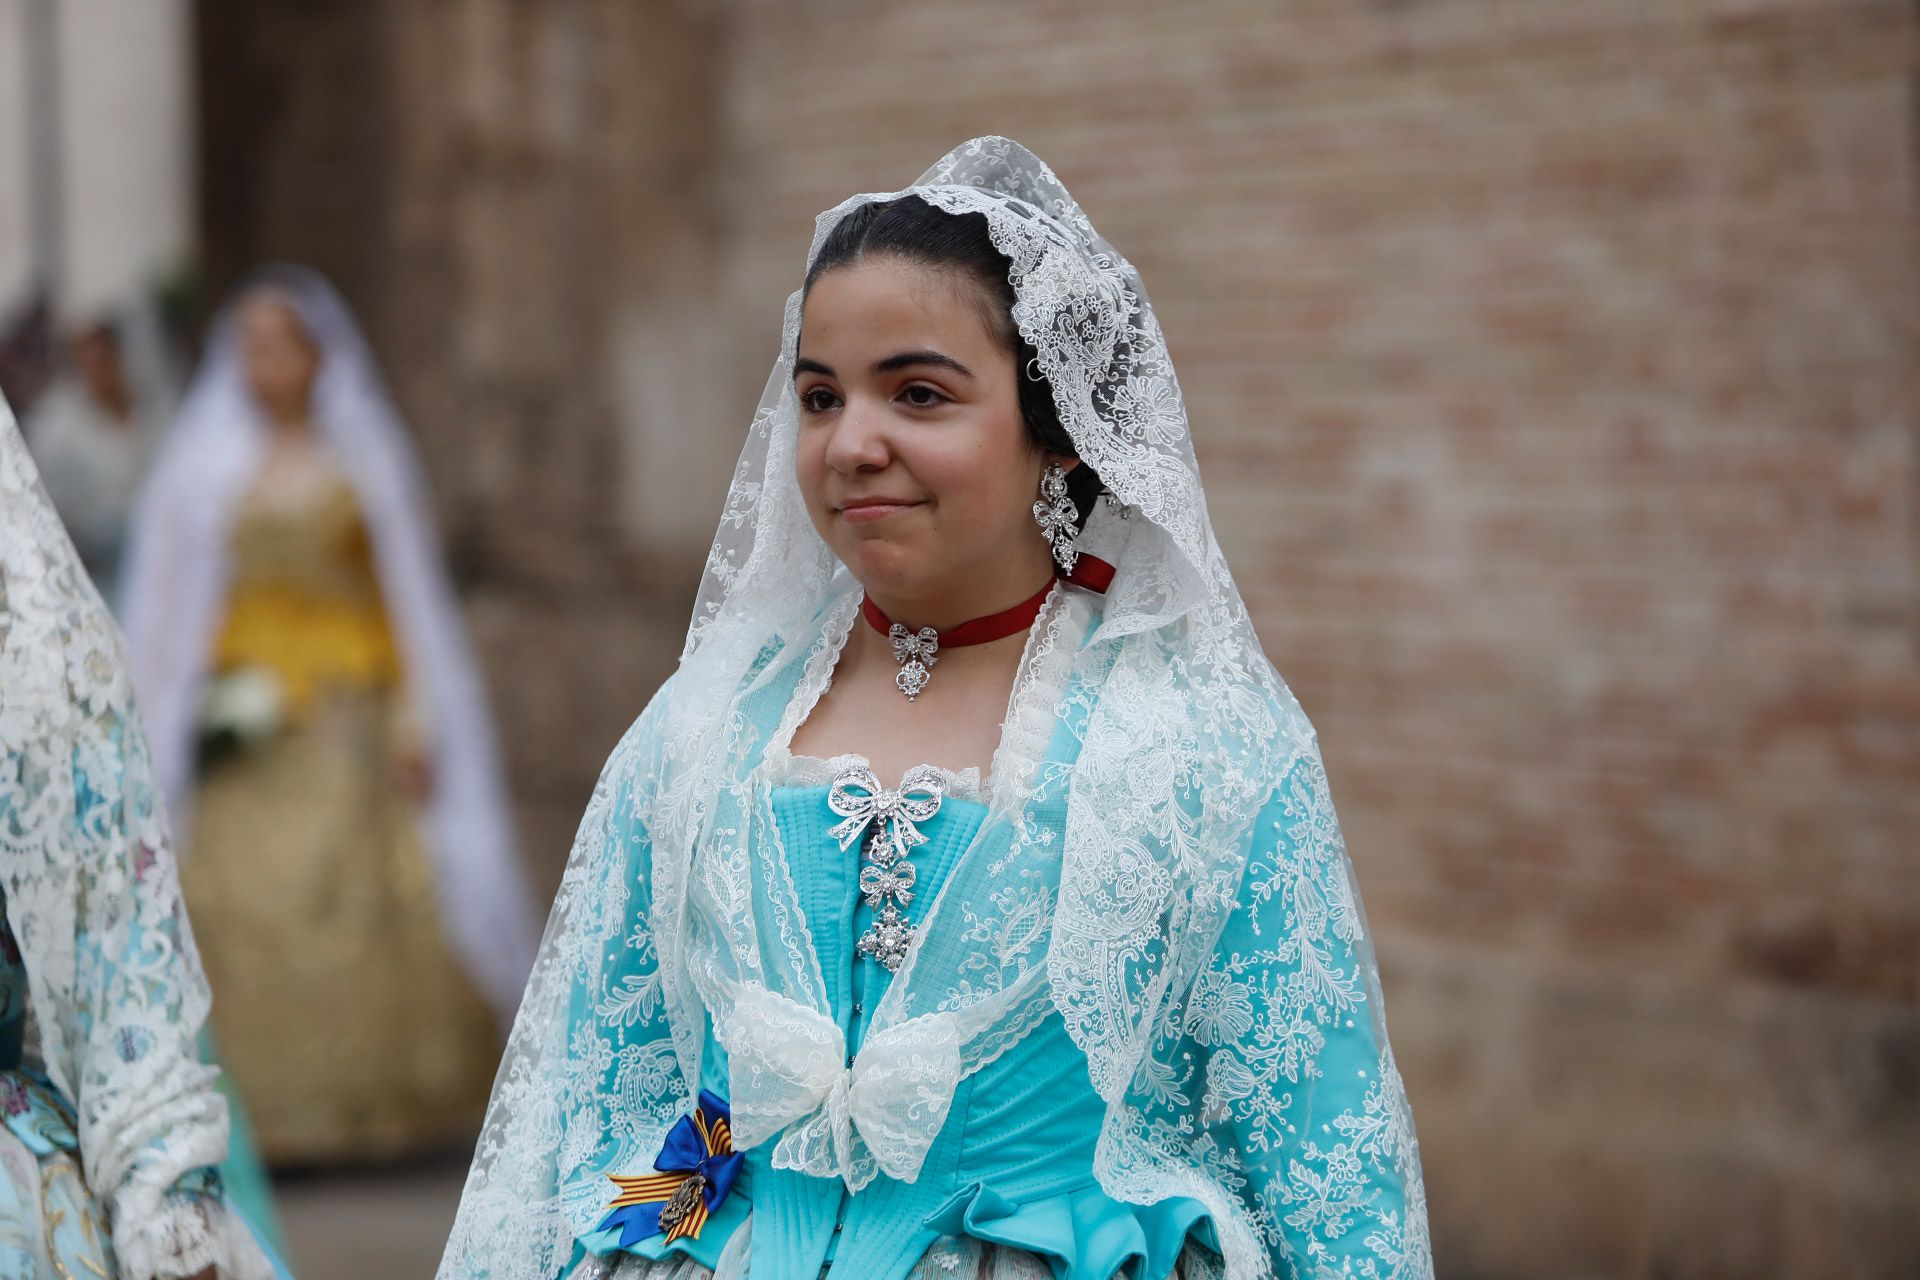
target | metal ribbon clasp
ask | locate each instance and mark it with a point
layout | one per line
(879, 883)
(858, 797)
(920, 646)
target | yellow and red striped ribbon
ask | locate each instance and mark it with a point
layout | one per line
(655, 1188)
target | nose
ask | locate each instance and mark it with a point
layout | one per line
(859, 441)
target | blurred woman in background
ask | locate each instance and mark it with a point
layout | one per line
(321, 730)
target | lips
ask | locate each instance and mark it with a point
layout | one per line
(867, 510)
(852, 504)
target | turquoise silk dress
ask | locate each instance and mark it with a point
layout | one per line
(1008, 1188)
(51, 1224)
(111, 1130)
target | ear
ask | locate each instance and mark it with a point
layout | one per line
(1066, 460)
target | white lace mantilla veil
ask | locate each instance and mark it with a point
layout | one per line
(175, 581)
(116, 998)
(1185, 733)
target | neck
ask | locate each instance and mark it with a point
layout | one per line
(943, 611)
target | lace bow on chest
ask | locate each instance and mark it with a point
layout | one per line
(893, 818)
(848, 1118)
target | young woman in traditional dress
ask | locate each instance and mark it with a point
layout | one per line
(970, 902)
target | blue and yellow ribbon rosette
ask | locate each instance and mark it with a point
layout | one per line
(696, 1169)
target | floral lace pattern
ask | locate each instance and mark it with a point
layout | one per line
(114, 986)
(785, 769)
(1160, 864)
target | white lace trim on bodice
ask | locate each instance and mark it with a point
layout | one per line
(784, 769)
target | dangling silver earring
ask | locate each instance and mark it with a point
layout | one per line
(1057, 517)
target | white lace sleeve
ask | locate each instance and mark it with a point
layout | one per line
(590, 1079)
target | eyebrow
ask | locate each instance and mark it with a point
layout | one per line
(904, 360)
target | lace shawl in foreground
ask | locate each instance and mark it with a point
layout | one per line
(115, 992)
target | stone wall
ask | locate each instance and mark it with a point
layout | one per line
(96, 170)
(1552, 371)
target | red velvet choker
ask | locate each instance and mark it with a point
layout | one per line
(917, 651)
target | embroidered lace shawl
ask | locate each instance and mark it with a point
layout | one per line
(116, 998)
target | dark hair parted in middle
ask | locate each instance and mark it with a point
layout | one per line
(911, 229)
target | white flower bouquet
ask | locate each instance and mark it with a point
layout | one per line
(241, 707)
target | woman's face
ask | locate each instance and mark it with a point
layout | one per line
(913, 458)
(281, 359)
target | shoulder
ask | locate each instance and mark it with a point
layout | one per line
(644, 736)
(1250, 735)
(1285, 774)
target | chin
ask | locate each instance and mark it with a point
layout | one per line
(890, 567)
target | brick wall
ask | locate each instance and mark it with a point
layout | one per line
(1552, 371)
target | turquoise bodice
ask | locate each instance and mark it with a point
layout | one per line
(1296, 1086)
(1014, 1164)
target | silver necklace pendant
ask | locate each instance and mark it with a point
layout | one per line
(916, 653)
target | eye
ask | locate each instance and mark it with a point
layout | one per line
(818, 400)
(922, 396)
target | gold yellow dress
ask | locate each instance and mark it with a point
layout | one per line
(349, 1029)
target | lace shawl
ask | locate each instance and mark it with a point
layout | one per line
(115, 993)
(1115, 898)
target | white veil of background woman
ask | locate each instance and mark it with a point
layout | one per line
(176, 577)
